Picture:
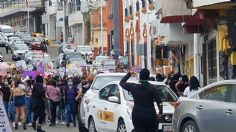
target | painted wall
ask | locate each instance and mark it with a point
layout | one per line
(199, 3)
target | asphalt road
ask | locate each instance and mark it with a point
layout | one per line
(52, 51)
(57, 128)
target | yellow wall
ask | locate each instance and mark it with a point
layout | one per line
(96, 38)
(189, 67)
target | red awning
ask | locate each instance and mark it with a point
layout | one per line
(175, 19)
(195, 23)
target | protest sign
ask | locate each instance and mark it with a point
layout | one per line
(4, 122)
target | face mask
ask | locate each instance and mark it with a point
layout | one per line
(70, 84)
(5, 83)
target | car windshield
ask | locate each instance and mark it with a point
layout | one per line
(7, 30)
(102, 80)
(37, 39)
(166, 94)
(84, 48)
(109, 62)
(69, 56)
(71, 47)
(21, 47)
(14, 39)
(100, 59)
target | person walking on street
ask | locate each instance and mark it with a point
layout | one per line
(193, 86)
(38, 103)
(182, 84)
(144, 115)
(53, 93)
(6, 94)
(71, 95)
(61, 37)
(18, 93)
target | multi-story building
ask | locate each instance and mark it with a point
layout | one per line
(15, 14)
(213, 26)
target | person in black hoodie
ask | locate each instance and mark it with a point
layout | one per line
(144, 115)
(38, 103)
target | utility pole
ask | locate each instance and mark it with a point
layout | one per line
(27, 3)
(64, 20)
(101, 26)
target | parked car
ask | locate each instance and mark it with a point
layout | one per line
(211, 109)
(69, 48)
(2, 40)
(84, 49)
(6, 30)
(18, 51)
(111, 108)
(108, 65)
(98, 60)
(16, 43)
(36, 43)
(25, 36)
(63, 58)
(1, 57)
(13, 39)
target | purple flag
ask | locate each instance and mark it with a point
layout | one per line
(40, 68)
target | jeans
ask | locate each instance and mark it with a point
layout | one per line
(6, 105)
(53, 109)
(70, 109)
(12, 111)
(28, 111)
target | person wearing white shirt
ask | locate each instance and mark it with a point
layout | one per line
(193, 86)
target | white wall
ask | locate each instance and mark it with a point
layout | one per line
(198, 3)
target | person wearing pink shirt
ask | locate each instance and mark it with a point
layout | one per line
(53, 94)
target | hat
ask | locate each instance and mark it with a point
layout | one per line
(144, 74)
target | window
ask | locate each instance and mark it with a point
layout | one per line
(104, 93)
(108, 91)
(212, 60)
(114, 91)
(224, 93)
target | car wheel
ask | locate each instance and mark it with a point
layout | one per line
(91, 127)
(121, 126)
(190, 126)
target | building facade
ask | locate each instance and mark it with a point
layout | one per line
(15, 14)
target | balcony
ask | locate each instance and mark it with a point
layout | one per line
(12, 7)
(212, 4)
(175, 11)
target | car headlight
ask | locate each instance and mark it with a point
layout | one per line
(14, 53)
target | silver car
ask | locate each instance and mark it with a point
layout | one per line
(211, 109)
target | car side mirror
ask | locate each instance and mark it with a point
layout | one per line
(113, 99)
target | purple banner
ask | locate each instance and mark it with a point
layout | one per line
(33, 74)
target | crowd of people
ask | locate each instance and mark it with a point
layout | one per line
(181, 85)
(34, 101)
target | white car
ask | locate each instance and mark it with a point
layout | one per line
(109, 110)
(98, 61)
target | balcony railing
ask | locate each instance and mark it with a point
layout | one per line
(9, 6)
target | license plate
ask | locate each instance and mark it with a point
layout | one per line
(167, 129)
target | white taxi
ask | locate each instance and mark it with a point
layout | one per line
(110, 109)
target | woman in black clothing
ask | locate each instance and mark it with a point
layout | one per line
(6, 93)
(144, 115)
(38, 103)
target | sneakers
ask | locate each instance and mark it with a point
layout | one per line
(34, 125)
(63, 123)
(30, 124)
